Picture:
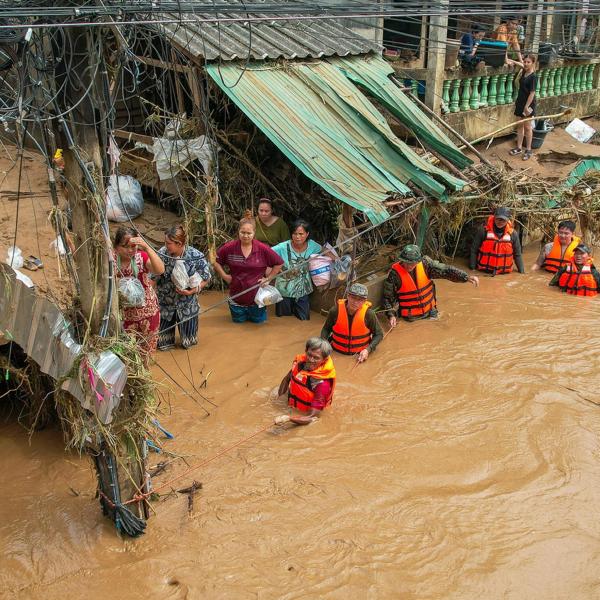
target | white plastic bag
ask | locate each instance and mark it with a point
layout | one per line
(26, 280)
(194, 281)
(131, 292)
(124, 198)
(59, 246)
(179, 276)
(267, 295)
(14, 257)
(319, 268)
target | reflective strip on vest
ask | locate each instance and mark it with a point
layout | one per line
(578, 282)
(556, 259)
(415, 298)
(350, 339)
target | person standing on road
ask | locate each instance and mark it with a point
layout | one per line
(525, 107)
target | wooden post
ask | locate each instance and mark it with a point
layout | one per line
(436, 57)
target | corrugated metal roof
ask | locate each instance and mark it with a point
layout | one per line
(261, 40)
(330, 130)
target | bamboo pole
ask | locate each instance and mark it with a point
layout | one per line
(501, 129)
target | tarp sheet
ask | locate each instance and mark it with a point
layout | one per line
(331, 131)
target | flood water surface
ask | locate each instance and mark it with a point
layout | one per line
(461, 461)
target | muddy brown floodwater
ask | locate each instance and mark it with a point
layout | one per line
(461, 461)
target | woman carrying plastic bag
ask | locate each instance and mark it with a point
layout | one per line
(135, 260)
(295, 282)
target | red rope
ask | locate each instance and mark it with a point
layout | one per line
(143, 496)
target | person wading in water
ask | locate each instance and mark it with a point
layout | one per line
(496, 247)
(409, 284)
(579, 277)
(311, 381)
(559, 252)
(352, 326)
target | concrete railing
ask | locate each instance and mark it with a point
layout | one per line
(479, 91)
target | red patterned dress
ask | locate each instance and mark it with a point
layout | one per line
(142, 321)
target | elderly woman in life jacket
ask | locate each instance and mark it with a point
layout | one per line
(310, 383)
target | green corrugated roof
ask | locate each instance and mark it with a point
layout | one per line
(330, 130)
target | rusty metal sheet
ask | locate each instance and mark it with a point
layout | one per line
(41, 330)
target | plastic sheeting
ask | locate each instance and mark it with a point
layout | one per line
(172, 155)
(42, 331)
(331, 131)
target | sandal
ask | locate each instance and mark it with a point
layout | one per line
(36, 261)
(528, 154)
(29, 265)
(516, 151)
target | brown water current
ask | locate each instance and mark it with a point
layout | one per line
(461, 461)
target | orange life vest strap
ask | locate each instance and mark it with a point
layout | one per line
(350, 339)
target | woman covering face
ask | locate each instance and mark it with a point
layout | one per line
(135, 259)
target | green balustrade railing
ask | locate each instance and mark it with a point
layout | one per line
(471, 93)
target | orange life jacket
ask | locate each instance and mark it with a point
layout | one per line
(556, 259)
(350, 339)
(578, 282)
(415, 297)
(300, 392)
(496, 253)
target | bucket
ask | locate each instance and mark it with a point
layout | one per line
(539, 135)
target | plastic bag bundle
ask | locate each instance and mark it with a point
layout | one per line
(319, 268)
(194, 281)
(179, 276)
(340, 268)
(131, 292)
(124, 198)
(267, 295)
(14, 257)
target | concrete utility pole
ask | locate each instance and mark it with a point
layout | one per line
(84, 172)
(436, 56)
(82, 112)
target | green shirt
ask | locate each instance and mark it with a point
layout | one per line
(272, 234)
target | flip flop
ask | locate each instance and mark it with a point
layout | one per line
(29, 265)
(527, 155)
(516, 151)
(36, 261)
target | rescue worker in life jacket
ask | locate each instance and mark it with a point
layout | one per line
(311, 381)
(352, 326)
(579, 276)
(558, 253)
(409, 285)
(496, 247)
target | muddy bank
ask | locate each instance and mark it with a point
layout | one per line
(456, 463)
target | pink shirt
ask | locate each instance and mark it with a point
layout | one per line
(246, 272)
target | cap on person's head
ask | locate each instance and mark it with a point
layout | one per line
(502, 213)
(581, 247)
(410, 254)
(359, 290)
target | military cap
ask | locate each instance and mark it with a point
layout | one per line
(358, 289)
(410, 254)
(581, 247)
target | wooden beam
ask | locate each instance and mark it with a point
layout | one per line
(132, 136)
(161, 64)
